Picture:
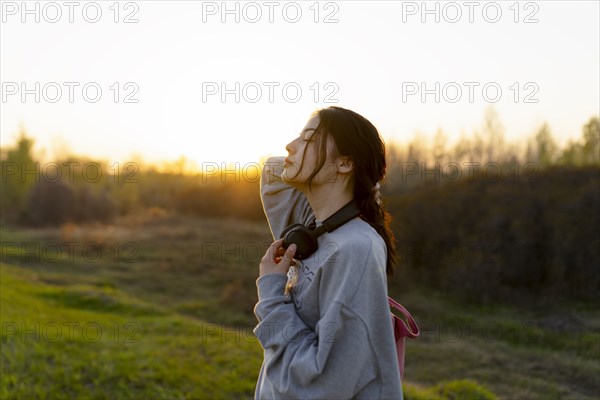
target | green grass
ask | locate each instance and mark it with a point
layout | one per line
(175, 321)
(113, 347)
(450, 390)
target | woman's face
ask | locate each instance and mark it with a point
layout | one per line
(307, 139)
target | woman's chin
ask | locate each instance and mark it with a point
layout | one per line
(287, 180)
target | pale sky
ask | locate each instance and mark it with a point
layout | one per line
(368, 60)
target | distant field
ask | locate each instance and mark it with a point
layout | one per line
(161, 306)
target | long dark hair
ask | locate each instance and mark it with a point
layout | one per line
(357, 138)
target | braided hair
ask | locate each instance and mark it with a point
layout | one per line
(358, 139)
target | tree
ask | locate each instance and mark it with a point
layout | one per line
(591, 142)
(19, 172)
(417, 149)
(439, 146)
(571, 155)
(545, 147)
(493, 136)
(462, 149)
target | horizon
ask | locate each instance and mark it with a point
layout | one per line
(190, 167)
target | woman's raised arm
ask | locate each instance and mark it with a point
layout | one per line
(283, 204)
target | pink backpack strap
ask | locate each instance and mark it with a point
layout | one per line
(411, 330)
(402, 331)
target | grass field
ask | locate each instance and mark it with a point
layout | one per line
(161, 306)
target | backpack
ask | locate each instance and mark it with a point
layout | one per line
(402, 331)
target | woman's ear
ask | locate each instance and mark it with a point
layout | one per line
(344, 164)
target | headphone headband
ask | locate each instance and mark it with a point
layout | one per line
(306, 239)
(339, 218)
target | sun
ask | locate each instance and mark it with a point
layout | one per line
(229, 136)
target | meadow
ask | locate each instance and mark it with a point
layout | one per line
(160, 305)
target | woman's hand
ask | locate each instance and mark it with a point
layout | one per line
(277, 259)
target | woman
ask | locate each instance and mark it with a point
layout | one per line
(327, 334)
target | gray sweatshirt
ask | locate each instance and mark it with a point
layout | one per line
(332, 336)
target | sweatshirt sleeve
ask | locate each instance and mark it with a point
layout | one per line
(335, 361)
(283, 204)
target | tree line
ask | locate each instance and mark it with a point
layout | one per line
(484, 218)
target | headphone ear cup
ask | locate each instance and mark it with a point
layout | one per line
(301, 236)
(289, 228)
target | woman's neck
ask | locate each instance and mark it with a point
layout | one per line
(325, 203)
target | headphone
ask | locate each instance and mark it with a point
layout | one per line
(305, 239)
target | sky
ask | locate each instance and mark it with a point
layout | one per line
(160, 80)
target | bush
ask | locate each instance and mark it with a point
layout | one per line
(50, 203)
(53, 203)
(490, 241)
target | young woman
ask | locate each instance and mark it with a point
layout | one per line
(324, 321)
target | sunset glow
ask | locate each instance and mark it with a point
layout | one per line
(188, 84)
